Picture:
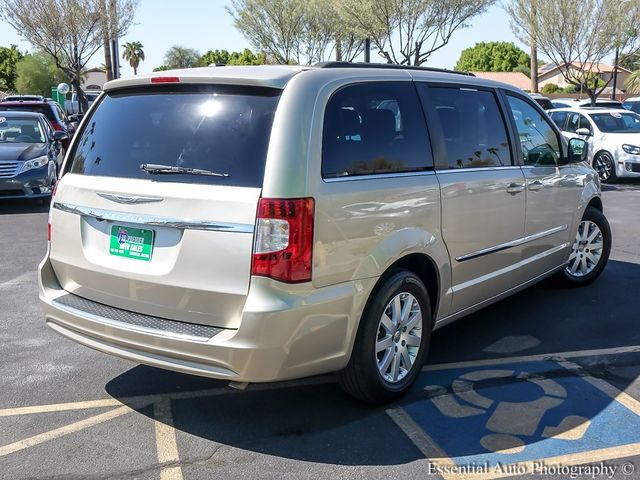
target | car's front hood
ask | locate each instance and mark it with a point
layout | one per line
(22, 151)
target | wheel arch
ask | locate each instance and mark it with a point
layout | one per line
(425, 268)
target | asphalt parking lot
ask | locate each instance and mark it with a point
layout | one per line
(543, 382)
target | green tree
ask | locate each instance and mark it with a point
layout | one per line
(582, 34)
(633, 82)
(408, 32)
(181, 57)
(37, 73)
(133, 53)
(161, 68)
(493, 57)
(223, 57)
(9, 57)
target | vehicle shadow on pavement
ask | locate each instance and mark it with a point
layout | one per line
(513, 411)
(13, 207)
(621, 185)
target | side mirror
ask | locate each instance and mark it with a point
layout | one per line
(59, 136)
(577, 150)
(583, 131)
(74, 118)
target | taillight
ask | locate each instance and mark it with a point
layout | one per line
(56, 126)
(165, 79)
(284, 239)
(53, 193)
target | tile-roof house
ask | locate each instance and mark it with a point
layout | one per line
(517, 79)
(551, 73)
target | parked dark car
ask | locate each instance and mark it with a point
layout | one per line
(30, 155)
(50, 109)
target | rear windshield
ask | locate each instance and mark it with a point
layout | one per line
(221, 129)
(617, 122)
(44, 109)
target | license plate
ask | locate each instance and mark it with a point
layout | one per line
(131, 242)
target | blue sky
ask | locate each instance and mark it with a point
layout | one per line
(205, 25)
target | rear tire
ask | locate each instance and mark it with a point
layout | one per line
(605, 165)
(590, 250)
(392, 340)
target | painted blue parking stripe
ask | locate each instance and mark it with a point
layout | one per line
(520, 412)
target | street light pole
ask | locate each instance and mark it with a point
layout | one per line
(615, 75)
(367, 50)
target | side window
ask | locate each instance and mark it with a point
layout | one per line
(584, 123)
(471, 127)
(539, 141)
(559, 118)
(374, 128)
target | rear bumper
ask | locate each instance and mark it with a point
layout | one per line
(286, 332)
(31, 184)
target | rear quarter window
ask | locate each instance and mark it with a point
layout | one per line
(223, 129)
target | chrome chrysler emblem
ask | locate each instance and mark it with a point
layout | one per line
(128, 199)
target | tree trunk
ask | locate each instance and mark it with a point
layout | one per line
(83, 104)
(107, 58)
(338, 50)
(534, 66)
(135, 70)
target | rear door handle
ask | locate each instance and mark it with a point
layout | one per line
(535, 186)
(515, 188)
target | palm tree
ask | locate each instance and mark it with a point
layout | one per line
(633, 82)
(134, 54)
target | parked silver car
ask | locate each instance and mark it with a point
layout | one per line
(257, 224)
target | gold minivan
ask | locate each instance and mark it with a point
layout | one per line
(258, 224)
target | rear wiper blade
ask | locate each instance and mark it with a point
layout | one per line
(156, 169)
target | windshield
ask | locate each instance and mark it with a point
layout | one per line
(16, 130)
(617, 122)
(218, 128)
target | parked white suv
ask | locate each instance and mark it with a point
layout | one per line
(257, 224)
(613, 136)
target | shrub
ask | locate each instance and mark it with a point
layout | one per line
(550, 88)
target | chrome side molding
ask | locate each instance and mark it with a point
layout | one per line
(512, 243)
(153, 221)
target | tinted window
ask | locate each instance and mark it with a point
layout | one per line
(44, 109)
(559, 118)
(373, 128)
(471, 126)
(538, 140)
(577, 121)
(617, 122)
(221, 129)
(544, 103)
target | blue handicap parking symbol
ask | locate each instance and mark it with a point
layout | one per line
(515, 413)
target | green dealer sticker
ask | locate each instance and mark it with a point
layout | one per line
(131, 242)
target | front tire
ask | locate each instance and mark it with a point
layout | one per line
(590, 250)
(392, 341)
(604, 164)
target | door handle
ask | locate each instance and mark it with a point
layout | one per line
(535, 186)
(515, 188)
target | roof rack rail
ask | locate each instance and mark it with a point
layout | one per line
(388, 65)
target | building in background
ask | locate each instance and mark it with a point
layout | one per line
(94, 79)
(551, 73)
(517, 79)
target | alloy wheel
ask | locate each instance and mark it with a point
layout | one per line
(399, 337)
(586, 251)
(603, 164)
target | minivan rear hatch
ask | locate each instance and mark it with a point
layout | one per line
(156, 211)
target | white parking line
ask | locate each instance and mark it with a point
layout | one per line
(166, 443)
(67, 429)
(532, 358)
(142, 401)
(18, 280)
